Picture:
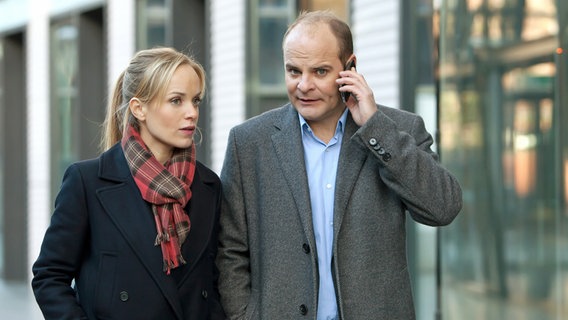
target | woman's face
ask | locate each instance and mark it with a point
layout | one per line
(170, 122)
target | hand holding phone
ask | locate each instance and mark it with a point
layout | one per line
(345, 95)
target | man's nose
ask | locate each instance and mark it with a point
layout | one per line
(305, 83)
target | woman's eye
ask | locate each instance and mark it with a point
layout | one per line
(176, 101)
(196, 102)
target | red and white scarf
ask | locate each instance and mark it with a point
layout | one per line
(167, 188)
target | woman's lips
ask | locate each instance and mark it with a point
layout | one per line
(188, 130)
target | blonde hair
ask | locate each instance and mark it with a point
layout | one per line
(147, 77)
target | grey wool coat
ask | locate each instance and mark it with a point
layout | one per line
(267, 255)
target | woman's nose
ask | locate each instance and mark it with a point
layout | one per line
(192, 111)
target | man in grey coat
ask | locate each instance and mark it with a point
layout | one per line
(316, 192)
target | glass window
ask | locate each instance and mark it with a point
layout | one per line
(418, 94)
(270, 63)
(64, 92)
(77, 90)
(265, 81)
(13, 154)
(505, 255)
(152, 25)
(339, 7)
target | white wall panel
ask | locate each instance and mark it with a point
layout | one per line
(121, 37)
(227, 86)
(37, 68)
(375, 26)
(14, 14)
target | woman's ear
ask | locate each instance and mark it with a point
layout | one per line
(137, 109)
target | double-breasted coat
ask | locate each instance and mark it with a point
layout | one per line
(101, 236)
(268, 256)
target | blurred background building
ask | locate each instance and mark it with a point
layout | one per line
(488, 76)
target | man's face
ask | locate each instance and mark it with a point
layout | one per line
(312, 65)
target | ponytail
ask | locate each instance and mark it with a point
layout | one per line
(114, 122)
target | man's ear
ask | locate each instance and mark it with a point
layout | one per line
(352, 60)
(137, 109)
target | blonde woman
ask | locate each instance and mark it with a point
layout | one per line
(134, 231)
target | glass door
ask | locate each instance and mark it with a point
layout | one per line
(504, 256)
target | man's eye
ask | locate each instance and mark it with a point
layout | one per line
(321, 72)
(293, 72)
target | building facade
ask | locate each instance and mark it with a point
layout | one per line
(485, 75)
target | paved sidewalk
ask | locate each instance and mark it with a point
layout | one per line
(17, 302)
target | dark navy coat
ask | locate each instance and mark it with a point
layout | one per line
(98, 259)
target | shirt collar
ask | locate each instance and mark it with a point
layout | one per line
(340, 124)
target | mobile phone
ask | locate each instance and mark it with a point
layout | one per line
(345, 95)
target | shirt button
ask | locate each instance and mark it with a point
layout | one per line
(328, 186)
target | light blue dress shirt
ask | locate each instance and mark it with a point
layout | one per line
(321, 166)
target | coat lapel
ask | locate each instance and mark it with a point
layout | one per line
(351, 160)
(287, 142)
(131, 215)
(202, 222)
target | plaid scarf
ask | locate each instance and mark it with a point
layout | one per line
(166, 187)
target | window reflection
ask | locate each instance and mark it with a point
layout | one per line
(265, 80)
(273, 3)
(271, 60)
(502, 257)
(152, 23)
(64, 134)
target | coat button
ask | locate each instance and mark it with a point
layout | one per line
(373, 141)
(303, 309)
(386, 157)
(381, 151)
(306, 248)
(123, 296)
(204, 294)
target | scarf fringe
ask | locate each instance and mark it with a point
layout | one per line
(161, 237)
(170, 264)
